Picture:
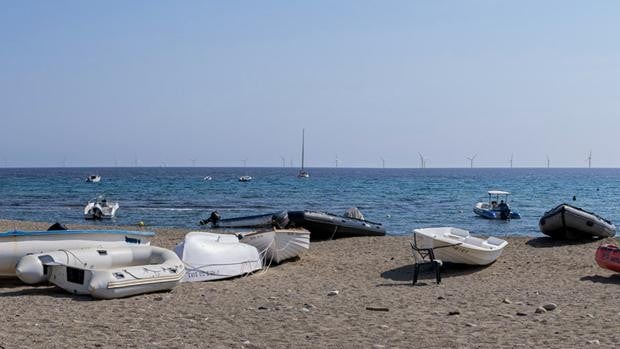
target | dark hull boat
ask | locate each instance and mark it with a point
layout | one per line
(278, 220)
(323, 226)
(570, 222)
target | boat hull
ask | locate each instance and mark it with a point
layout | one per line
(209, 256)
(16, 244)
(278, 219)
(279, 244)
(105, 273)
(324, 226)
(570, 222)
(456, 245)
(483, 210)
(608, 257)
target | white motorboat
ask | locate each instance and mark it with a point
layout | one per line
(100, 208)
(458, 246)
(16, 244)
(245, 178)
(570, 222)
(105, 273)
(209, 256)
(497, 207)
(207, 178)
(277, 245)
(93, 178)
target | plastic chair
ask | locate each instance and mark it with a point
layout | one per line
(424, 256)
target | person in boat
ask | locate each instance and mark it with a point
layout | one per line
(493, 204)
(504, 210)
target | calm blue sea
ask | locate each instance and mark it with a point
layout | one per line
(401, 199)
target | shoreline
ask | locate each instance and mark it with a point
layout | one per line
(376, 306)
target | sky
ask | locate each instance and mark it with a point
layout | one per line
(220, 83)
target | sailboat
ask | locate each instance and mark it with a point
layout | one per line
(303, 173)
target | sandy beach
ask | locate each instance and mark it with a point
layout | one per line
(288, 306)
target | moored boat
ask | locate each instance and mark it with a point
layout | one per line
(457, 245)
(93, 178)
(16, 244)
(105, 273)
(210, 256)
(100, 208)
(569, 222)
(608, 257)
(277, 245)
(245, 178)
(277, 219)
(497, 207)
(329, 226)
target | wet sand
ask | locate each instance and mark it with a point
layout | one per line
(289, 306)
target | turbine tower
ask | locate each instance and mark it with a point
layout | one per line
(471, 160)
(283, 161)
(382, 162)
(548, 162)
(511, 159)
(589, 159)
(423, 160)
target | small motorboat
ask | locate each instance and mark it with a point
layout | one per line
(245, 178)
(324, 226)
(210, 256)
(16, 244)
(207, 178)
(608, 257)
(100, 208)
(278, 220)
(105, 273)
(497, 207)
(93, 178)
(277, 245)
(458, 246)
(569, 222)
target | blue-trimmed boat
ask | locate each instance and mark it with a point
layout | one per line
(497, 207)
(16, 244)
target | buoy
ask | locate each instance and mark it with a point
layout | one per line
(141, 224)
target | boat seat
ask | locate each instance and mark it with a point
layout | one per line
(424, 256)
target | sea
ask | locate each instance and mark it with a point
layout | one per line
(400, 199)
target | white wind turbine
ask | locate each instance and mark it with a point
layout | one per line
(471, 160)
(589, 159)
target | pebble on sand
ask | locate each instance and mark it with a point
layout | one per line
(540, 310)
(506, 301)
(454, 312)
(550, 306)
(594, 341)
(333, 293)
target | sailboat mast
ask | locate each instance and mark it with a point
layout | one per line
(303, 136)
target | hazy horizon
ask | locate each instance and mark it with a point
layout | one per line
(155, 83)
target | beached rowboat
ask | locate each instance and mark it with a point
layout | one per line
(608, 257)
(458, 246)
(570, 222)
(277, 245)
(209, 256)
(105, 273)
(16, 244)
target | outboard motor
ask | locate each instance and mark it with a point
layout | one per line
(213, 219)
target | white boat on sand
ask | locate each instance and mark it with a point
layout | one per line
(100, 208)
(16, 244)
(277, 245)
(210, 256)
(570, 222)
(105, 273)
(458, 246)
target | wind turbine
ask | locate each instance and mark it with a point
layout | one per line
(471, 160)
(422, 160)
(548, 162)
(589, 159)
(511, 158)
(244, 162)
(382, 162)
(337, 161)
(283, 161)
(193, 162)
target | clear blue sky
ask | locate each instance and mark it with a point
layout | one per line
(99, 83)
